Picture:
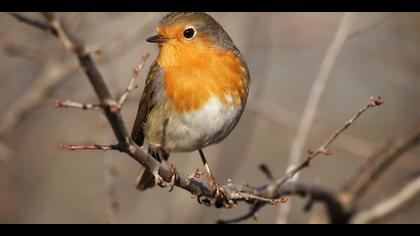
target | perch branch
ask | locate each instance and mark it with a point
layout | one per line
(316, 193)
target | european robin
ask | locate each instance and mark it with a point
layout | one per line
(195, 91)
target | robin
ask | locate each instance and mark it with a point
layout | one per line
(195, 91)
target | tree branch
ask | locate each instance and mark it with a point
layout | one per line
(323, 149)
(316, 193)
(52, 74)
(275, 190)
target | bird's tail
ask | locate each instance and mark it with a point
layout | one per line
(146, 179)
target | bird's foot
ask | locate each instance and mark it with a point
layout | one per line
(174, 174)
(213, 182)
(158, 179)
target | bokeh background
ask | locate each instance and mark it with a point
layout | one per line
(40, 183)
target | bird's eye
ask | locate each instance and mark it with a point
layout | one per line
(189, 33)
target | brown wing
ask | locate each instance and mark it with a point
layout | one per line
(148, 100)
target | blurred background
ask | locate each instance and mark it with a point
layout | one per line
(40, 183)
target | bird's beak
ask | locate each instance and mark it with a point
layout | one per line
(156, 39)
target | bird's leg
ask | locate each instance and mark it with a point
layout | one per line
(211, 178)
(168, 164)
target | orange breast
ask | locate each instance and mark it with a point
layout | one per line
(193, 75)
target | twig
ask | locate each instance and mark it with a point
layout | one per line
(72, 147)
(323, 149)
(378, 163)
(52, 74)
(35, 23)
(316, 193)
(357, 147)
(72, 104)
(391, 205)
(132, 85)
(314, 99)
(274, 189)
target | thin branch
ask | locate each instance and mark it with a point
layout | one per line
(72, 147)
(132, 85)
(378, 163)
(53, 73)
(35, 23)
(323, 149)
(276, 189)
(316, 193)
(358, 147)
(314, 99)
(72, 104)
(391, 205)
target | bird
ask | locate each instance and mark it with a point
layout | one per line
(194, 94)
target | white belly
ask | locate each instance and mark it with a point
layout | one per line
(210, 124)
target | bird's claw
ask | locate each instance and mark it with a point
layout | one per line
(213, 182)
(158, 179)
(174, 175)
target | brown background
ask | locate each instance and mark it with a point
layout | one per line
(43, 184)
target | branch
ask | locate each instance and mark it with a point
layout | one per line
(53, 73)
(390, 206)
(323, 149)
(316, 193)
(278, 188)
(314, 99)
(378, 163)
(132, 85)
(72, 104)
(34, 23)
(71, 147)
